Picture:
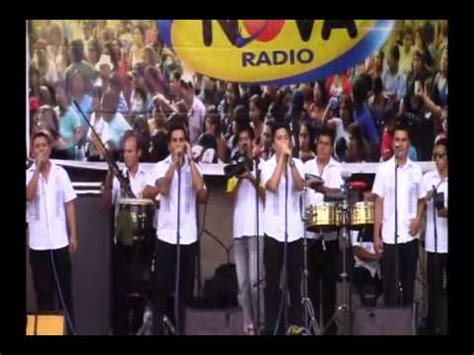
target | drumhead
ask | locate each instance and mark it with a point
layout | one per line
(135, 201)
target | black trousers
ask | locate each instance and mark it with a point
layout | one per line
(369, 288)
(407, 260)
(437, 268)
(48, 297)
(132, 285)
(322, 279)
(164, 283)
(273, 261)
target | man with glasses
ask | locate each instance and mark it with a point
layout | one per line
(435, 184)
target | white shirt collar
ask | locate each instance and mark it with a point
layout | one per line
(33, 167)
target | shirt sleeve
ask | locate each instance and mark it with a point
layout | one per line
(69, 193)
(158, 172)
(300, 167)
(379, 186)
(420, 185)
(336, 178)
(267, 172)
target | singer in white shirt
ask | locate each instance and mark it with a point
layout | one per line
(283, 179)
(436, 238)
(178, 180)
(50, 202)
(410, 198)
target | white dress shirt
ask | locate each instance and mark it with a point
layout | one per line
(46, 213)
(245, 211)
(431, 179)
(274, 215)
(167, 214)
(331, 175)
(410, 190)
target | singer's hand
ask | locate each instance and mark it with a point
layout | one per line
(415, 227)
(73, 244)
(245, 175)
(285, 151)
(378, 244)
(443, 213)
(41, 161)
(187, 150)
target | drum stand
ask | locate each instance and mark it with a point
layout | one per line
(310, 322)
(343, 310)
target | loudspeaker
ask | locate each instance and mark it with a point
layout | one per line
(224, 321)
(45, 324)
(383, 321)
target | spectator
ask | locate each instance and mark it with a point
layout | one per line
(318, 111)
(116, 125)
(407, 50)
(213, 127)
(79, 63)
(159, 137)
(226, 107)
(377, 65)
(140, 128)
(307, 140)
(155, 81)
(338, 85)
(77, 91)
(57, 50)
(240, 120)
(358, 148)
(70, 127)
(379, 105)
(341, 125)
(394, 82)
(196, 109)
(47, 95)
(363, 117)
(149, 57)
(421, 45)
(141, 103)
(94, 51)
(414, 111)
(440, 85)
(138, 45)
(269, 94)
(264, 150)
(210, 95)
(46, 68)
(205, 151)
(257, 113)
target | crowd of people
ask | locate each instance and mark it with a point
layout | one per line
(121, 76)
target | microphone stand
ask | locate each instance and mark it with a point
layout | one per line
(178, 256)
(123, 180)
(436, 261)
(397, 262)
(285, 247)
(309, 316)
(257, 184)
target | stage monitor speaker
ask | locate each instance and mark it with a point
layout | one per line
(383, 321)
(222, 321)
(45, 324)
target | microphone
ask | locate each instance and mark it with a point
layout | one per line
(346, 175)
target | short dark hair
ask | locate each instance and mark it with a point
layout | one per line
(77, 50)
(279, 125)
(42, 133)
(247, 129)
(403, 126)
(176, 74)
(132, 135)
(443, 142)
(177, 127)
(260, 104)
(327, 132)
(395, 52)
